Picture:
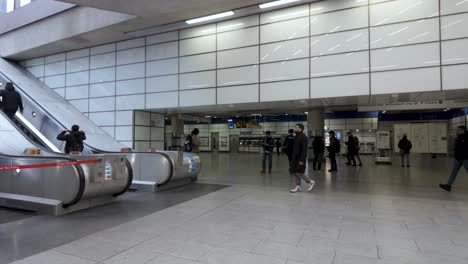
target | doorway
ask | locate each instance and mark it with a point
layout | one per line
(214, 141)
(234, 144)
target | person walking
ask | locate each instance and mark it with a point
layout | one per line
(268, 145)
(333, 149)
(358, 149)
(318, 146)
(299, 159)
(351, 149)
(288, 146)
(405, 147)
(191, 143)
(278, 147)
(73, 139)
(461, 157)
(10, 100)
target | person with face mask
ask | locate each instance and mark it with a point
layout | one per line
(461, 157)
(299, 159)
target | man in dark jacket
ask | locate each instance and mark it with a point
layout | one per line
(10, 100)
(318, 145)
(405, 147)
(299, 159)
(333, 149)
(268, 145)
(288, 146)
(461, 157)
(351, 149)
(74, 139)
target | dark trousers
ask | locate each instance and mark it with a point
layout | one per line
(457, 164)
(318, 157)
(351, 159)
(358, 157)
(278, 150)
(9, 113)
(332, 156)
(269, 156)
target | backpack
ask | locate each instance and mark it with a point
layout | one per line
(188, 143)
(76, 143)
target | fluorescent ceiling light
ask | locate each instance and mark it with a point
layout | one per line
(277, 3)
(210, 17)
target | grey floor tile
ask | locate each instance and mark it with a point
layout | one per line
(132, 256)
(353, 259)
(226, 256)
(54, 257)
(93, 248)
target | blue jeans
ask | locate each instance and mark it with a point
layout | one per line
(267, 155)
(457, 164)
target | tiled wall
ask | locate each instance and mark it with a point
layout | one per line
(148, 131)
(324, 49)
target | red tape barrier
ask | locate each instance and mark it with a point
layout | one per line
(48, 165)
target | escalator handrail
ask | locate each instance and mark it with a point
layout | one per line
(79, 169)
(129, 181)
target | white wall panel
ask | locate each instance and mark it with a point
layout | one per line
(454, 26)
(102, 60)
(55, 58)
(77, 54)
(286, 70)
(405, 57)
(339, 21)
(238, 57)
(142, 133)
(131, 56)
(285, 50)
(455, 51)
(123, 118)
(124, 133)
(238, 76)
(157, 133)
(102, 75)
(134, 86)
(163, 67)
(103, 118)
(198, 62)
(339, 86)
(198, 45)
(238, 94)
(75, 65)
(284, 14)
(453, 6)
(77, 92)
(280, 91)
(34, 62)
(354, 62)
(110, 130)
(238, 38)
(198, 97)
(103, 49)
(55, 68)
(162, 100)
(81, 105)
(77, 78)
(286, 30)
(102, 104)
(130, 71)
(332, 5)
(405, 33)
(238, 23)
(37, 71)
(405, 81)
(402, 10)
(162, 84)
(130, 102)
(198, 31)
(60, 91)
(102, 89)
(164, 37)
(55, 81)
(455, 77)
(142, 118)
(198, 80)
(339, 42)
(162, 51)
(133, 43)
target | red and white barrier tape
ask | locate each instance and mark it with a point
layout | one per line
(48, 165)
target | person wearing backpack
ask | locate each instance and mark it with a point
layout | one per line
(288, 147)
(351, 149)
(10, 100)
(333, 149)
(318, 145)
(191, 143)
(405, 147)
(73, 139)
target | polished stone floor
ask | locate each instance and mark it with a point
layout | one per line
(375, 214)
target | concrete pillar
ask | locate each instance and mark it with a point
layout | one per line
(315, 122)
(178, 135)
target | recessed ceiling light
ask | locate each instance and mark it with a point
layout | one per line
(276, 3)
(210, 17)
(383, 112)
(207, 116)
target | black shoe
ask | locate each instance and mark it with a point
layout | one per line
(402, 166)
(360, 165)
(408, 166)
(347, 163)
(446, 187)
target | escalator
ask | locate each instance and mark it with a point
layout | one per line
(49, 114)
(54, 183)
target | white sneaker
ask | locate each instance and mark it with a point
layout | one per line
(311, 186)
(297, 189)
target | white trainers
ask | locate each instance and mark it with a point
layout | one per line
(311, 186)
(297, 189)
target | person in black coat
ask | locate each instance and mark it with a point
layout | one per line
(352, 149)
(74, 139)
(10, 100)
(333, 149)
(299, 159)
(461, 157)
(268, 146)
(318, 146)
(405, 147)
